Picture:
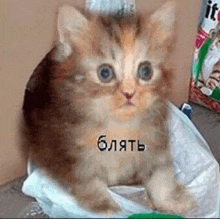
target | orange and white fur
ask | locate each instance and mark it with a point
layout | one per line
(108, 76)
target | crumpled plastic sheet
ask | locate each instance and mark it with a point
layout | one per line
(194, 166)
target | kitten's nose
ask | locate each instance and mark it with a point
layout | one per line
(128, 95)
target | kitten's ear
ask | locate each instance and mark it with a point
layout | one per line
(162, 22)
(165, 15)
(72, 27)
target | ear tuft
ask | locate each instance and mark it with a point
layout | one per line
(72, 26)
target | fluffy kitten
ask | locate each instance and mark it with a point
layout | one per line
(212, 82)
(105, 76)
(209, 78)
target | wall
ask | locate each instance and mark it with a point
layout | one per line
(27, 33)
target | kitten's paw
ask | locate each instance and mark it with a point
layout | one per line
(179, 202)
(107, 207)
(95, 197)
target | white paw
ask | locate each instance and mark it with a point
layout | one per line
(179, 202)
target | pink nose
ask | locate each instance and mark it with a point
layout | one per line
(128, 95)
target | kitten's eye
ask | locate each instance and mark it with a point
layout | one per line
(145, 71)
(105, 73)
(212, 33)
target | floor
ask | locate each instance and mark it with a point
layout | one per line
(14, 204)
(208, 123)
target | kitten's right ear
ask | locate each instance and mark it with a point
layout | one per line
(72, 28)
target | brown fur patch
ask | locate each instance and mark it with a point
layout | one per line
(127, 39)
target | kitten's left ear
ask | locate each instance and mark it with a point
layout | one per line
(165, 15)
(162, 22)
(72, 26)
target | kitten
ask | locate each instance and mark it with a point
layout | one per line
(209, 79)
(214, 78)
(103, 85)
(212, 82)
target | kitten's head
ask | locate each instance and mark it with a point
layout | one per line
(115, 66)
(215, 35)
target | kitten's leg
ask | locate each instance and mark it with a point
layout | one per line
(94, 196)
(166, 194)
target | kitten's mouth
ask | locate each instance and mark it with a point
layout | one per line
(127, 105)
